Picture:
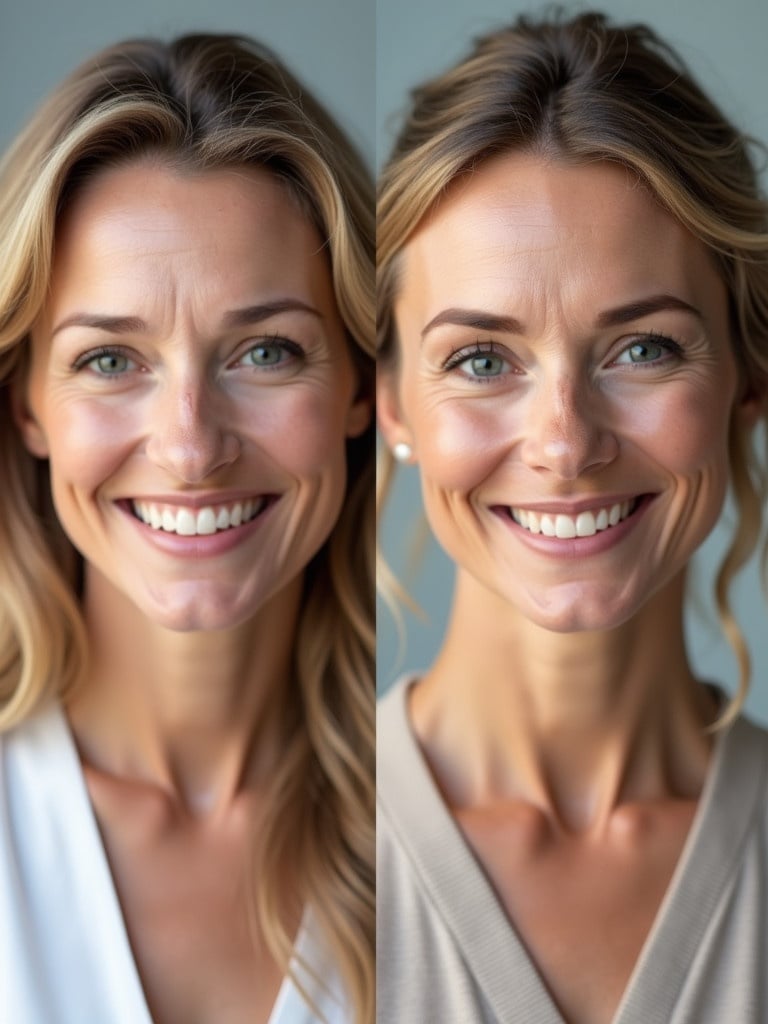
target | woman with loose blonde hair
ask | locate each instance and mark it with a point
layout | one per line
(573, 346)
(186, 541)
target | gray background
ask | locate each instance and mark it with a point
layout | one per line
(329, 44)
(725, 46)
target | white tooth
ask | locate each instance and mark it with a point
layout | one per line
(624, 509)
(524, 516)
(155, 518)
(585, 525)
(169, 521)
(236, 515)
(222, 519)
(565, 528)
(601, 520)
(534, 525)
(515, 513)
(614, 515)
(248, 510)
(139, 511)
(258, 505)
(547, 526)
(206, 521)
(186, 522)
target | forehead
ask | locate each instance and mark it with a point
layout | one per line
(144, 229)
(522, 229)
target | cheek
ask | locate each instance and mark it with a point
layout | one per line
(684, 429)
(88, 441)
(303, 430)
(460, 441)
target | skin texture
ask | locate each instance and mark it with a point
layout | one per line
(191, 643)
(561, 718)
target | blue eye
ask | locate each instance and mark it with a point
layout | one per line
(270, 354)
(478, 363)
(106, 362)
(648, 350)
(486, 365)
(266, 354)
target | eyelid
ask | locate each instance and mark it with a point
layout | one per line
(293, 348)
(672, 347)
(477, 348)
(82, 361)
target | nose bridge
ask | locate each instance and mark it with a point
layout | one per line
(189, 433)
(566, 432)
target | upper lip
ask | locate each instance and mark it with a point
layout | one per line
(199, 500)
(573, 506)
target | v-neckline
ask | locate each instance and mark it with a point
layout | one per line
(106, 890)
(488, 939)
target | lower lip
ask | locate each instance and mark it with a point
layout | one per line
(577, 547)
(201, 545)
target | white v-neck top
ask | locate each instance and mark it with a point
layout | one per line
(65, 957)
(448, 954)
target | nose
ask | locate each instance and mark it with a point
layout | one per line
(190, 436)
(567, 432)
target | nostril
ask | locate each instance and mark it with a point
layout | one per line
(193, 452)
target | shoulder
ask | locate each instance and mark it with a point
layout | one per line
(743, 770)
(744, 752)
(391, 706)
(319, 978)
(35, 747)
(401, 773)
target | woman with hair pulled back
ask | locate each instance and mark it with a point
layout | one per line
(573, 311)
(186, 609)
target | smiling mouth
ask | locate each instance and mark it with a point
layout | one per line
(200, 522)
(566, 527)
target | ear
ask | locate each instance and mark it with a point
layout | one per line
(359, 415)
(32, 433)
(388, 409)
(751, 406)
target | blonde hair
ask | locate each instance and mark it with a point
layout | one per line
(203, 102)
(583, 90)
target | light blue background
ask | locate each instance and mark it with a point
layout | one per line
(725, 45)
(329, 44)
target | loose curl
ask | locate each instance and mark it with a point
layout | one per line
(583, 90)
(199, 103)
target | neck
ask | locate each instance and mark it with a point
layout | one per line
(197, 714)
(576, 724)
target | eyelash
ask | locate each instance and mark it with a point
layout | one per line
(83, 360)
(672, 347)
(482, 348)
(290, 347)
(285, 344)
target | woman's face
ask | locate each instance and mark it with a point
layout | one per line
(191, 385)
(566, 380)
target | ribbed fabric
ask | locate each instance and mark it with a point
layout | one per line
(65, 957)
(448, 954)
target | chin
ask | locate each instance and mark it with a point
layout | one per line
(580, 612)
(201, 612)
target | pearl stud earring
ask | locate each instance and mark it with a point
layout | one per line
(402, 451)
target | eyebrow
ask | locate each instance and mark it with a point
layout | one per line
(480, 320)
(243, 317)
(476, 318)
(644, 307)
